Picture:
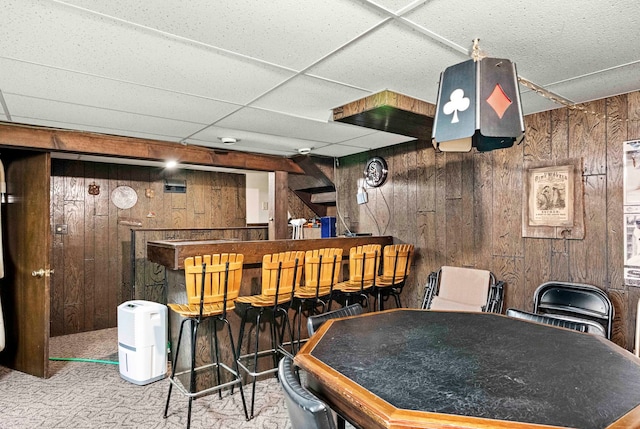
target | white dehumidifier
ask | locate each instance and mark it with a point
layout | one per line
(142, 341)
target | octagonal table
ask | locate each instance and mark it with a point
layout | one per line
(429, 369)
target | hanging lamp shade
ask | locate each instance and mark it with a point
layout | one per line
(478, 106)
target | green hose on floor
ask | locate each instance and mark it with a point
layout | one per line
(110, 362)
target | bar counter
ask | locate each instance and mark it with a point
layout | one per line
(172, 253)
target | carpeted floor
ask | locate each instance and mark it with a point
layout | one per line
(93, 395)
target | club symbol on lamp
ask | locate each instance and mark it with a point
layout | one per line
(457, 102)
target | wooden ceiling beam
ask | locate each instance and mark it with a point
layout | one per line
(56, 140)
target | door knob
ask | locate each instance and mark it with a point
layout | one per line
(42, 273)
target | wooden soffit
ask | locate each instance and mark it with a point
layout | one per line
(391, 112)
(55, 140)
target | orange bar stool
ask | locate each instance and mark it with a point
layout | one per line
(321, 272)
(396, 266)
(212, 283)
(281, 275)
(363, 268)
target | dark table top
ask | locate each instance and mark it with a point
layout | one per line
(481, 365)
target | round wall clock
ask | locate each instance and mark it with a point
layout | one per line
(375, 172)
(124, 197)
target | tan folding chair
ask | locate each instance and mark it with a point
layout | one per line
(463, 289)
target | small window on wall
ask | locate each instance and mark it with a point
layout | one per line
(631, 212)
(172, 186)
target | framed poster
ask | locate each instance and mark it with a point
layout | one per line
(631, 209)
(553, 199)
(550, 196)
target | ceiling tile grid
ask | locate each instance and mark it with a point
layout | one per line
(270, 73)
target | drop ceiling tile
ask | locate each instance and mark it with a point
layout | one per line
(540, 36)
(29, 109)
(534, 103)
(337, 150)
(277, 124)
(77, 88)
(616, 81)
(250, 141)
(252, 28)
(100, 46)
(394, 57)
(309, 97)
(379, 139)
(394, 6)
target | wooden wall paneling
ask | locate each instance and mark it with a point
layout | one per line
(156, 201)
(140, 178)
(112, 262)
(633, 125)
(425, 258)
(380, 211)
(587, 136)
(426, 176)
(537, 252)
(240, 181)
(198, 200)
(178, 203)
(511, 271)
(467, 206)
(559, 150)
(346, 184)
(507, 202)
(622, 323)
(588, 257)
(483, 222)
(587, 139)
(537, 138)
(410, 165)
(632, 298)
(103, 283)
(57, 250)
(74, 291)
(454, 232)
(441, 213)
(616, 133)
(402, 209)
(89, 267)
(453, 175)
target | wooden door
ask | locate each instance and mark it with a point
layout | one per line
(26, 299)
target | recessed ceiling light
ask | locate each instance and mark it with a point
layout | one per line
(304, 150)
(171, 163)
(228, 140)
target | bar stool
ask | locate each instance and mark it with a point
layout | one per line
(396, 265)
(281, 275)
(212, 284)
(363, 268)
(321, 272)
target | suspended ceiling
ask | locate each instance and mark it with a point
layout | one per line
(268, 73)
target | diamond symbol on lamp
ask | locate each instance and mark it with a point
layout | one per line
(499, 101)
(457, 103)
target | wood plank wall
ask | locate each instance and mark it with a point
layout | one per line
(466, 209)
(92, 262)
